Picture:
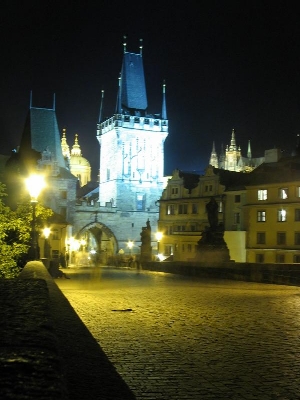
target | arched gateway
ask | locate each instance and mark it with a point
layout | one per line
(98, 243)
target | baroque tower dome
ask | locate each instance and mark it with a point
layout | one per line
(78, 165)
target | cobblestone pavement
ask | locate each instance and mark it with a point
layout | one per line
(176, 338)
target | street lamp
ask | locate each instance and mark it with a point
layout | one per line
(130, 245)
(34, 183)
(159, 236)
(46, 232)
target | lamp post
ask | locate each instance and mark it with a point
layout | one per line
(130, 245)
(35, 183)
(46, 232)
(158, 238)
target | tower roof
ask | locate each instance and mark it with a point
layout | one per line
(40, 133)
(133, 87)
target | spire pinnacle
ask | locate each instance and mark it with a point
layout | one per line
(101, 105)
(164, 107)
(249, 154)
(124, 43)
(141, 47)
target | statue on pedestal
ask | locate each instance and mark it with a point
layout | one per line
(212, 246)
(146, 248)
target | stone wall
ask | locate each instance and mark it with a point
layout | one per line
(282, 274)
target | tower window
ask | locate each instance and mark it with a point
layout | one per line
(140, 202)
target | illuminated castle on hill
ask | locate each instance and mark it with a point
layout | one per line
(232, 159)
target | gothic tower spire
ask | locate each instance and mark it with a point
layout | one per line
(214, 157)
(249, 154)
(164, 107)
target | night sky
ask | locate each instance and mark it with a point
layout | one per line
(227, 64)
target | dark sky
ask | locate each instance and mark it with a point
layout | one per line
(227, 64)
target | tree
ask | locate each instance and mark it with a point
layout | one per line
(15, 234)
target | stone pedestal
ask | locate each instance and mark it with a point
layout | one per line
(146, 248)
(212, 247)
(146, 253)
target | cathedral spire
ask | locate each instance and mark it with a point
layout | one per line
(119, 95)
(249, 154)
(164, 107)
(101, 106)
(214, 157)
(124, 43)
(141, 47)
(232, 142)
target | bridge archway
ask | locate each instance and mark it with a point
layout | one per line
(99, 242)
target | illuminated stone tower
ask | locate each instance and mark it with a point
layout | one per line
(233, 154)
(132, 143)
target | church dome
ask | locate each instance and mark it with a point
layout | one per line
(78, 165)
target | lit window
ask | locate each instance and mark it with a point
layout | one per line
(261, 237)
(262, 194)
(281, 215)
(170, 209)
(140, 202)
(283, 193)
(261, 216)
(220, 207)
(298, 191)
(281, 238)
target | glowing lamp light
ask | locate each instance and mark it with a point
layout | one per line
(159, 236)
(35, 184)
(46, 232)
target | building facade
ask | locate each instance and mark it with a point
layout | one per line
(272, 213)
(183, 216)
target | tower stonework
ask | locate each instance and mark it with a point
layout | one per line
(131, 178)
(132, 145)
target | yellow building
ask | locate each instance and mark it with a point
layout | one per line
(272, 213)
(183, 217)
